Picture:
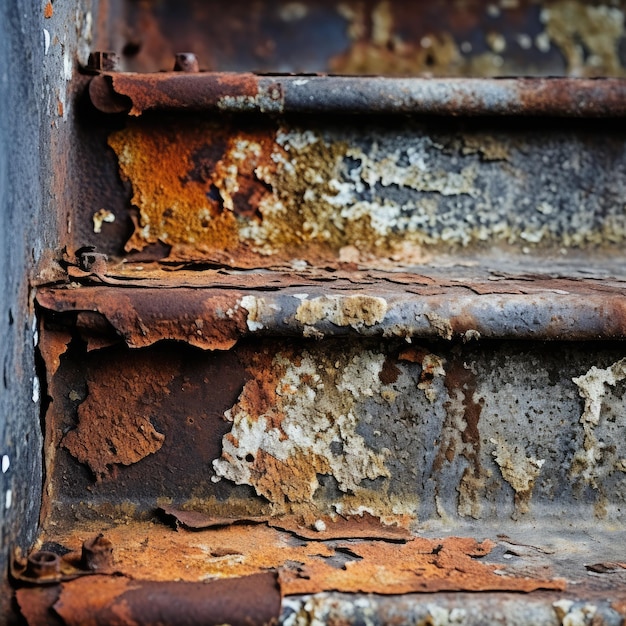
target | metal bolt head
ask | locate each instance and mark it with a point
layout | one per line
(43, 564)
(186, 62)
(103, 61)
(97, 554)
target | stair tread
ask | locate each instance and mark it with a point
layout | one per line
(214, 308)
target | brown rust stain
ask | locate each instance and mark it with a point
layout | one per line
(119, 600)
(141, 318)
(461, 435)
(239, 197)
(389, 372)
(418, 565)
(114, 422)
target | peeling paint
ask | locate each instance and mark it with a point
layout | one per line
(354, 311)
(518, 470)
(598, 457)
(268, 194)
(256, 308)
(297, 420)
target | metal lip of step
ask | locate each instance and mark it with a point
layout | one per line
(231, 92)
(216, 310)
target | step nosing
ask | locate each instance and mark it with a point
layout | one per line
(569, 311)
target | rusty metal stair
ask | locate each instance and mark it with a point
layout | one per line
(359, 341)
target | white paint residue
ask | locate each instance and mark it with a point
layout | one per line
(517, 469)
(8, 499)
(68, 66)
(570, 615)
(6, 463)
(592, 386)
(257, 308)
(35, 332)
(46, 41)
(310, 430)
(355, 311)
(36, 389)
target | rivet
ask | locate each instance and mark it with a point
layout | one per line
(186, 62)
(43, 564)
(103, 61)
(97, 553)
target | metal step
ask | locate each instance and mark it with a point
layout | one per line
(340, 349)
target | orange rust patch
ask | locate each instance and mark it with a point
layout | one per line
(190, 184)
(48, 10)
(292, 480)
(52, 346)
(420, 565)
(114, 425)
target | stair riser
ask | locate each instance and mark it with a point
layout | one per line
(440, 432)
(255, 194)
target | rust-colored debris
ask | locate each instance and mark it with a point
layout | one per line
(324, 528)
(606, 567)
(419, 566)
(195, 520)
(105, 600)
(385, 567)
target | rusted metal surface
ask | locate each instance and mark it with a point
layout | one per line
(263, 194)
(103, 600)
(250, 93)
(415, 564)
(440, 38)
(412, 306)
(363, 526)
(315, 428)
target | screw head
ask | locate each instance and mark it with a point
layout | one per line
(97, 554)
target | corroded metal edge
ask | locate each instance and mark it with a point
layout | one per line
(245, 92)
(538, 609)
(214, 318)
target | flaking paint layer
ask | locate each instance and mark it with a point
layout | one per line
(297, 420)
(257, 196)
